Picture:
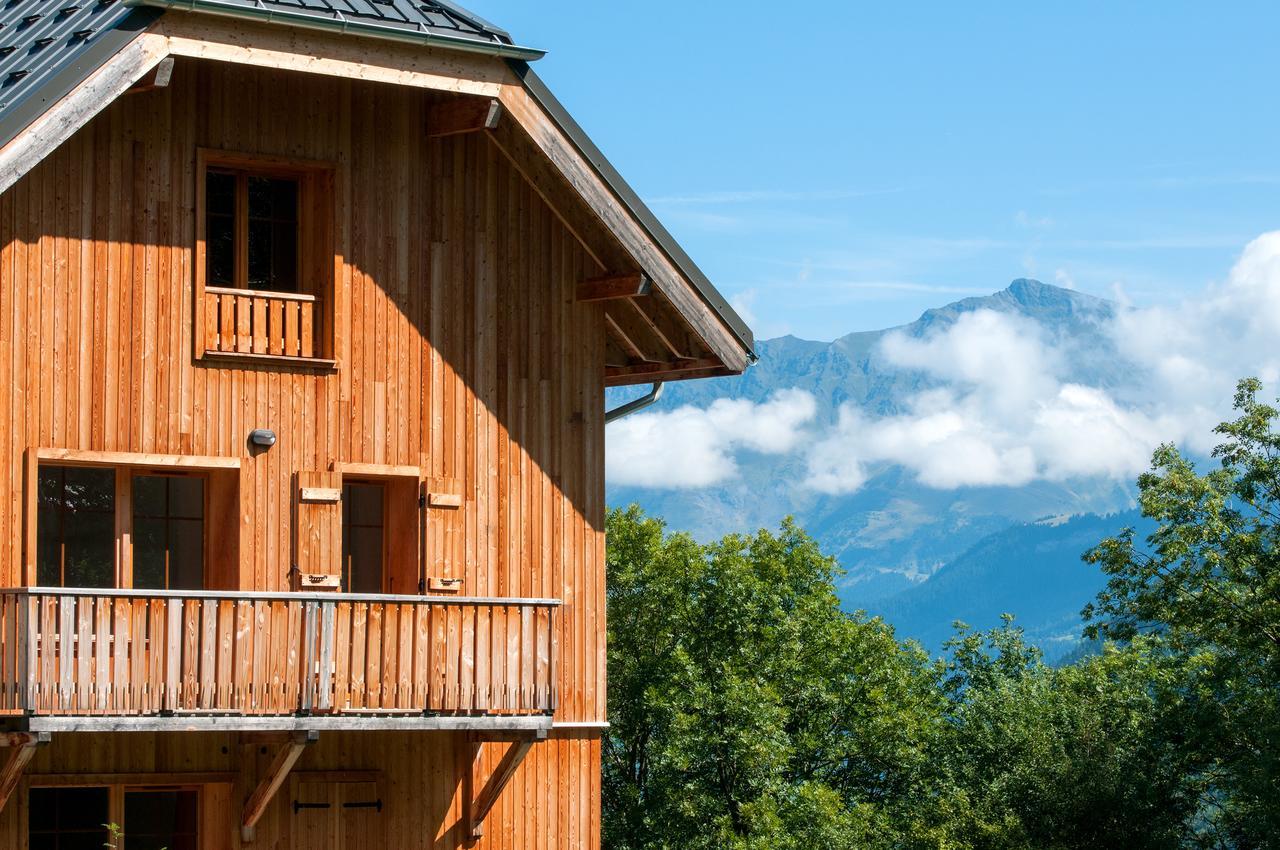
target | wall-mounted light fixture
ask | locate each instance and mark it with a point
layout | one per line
(263, 437)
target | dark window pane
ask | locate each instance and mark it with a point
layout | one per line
(75, 527)
(90, 489)
(68, 818)
(259, 254)
(149, 493)
(186, 554)
(186, 497)
(220, 250)
(220, 192)
(148, 553)
(284, 257)
(168, 528)
(362, 532)
(156, 819)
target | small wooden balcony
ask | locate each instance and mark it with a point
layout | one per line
(72, 652)
(245, 323)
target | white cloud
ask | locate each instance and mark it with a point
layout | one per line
(692, 447)
(1006, 412)
(1004, 400)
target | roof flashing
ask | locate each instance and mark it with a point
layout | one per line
(432, 24)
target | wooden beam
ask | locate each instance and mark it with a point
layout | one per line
(634, 338)
(79, 106)
(79, 457)
(157, 78)
(459, 115)
(610, 287)
(22, 747)
(479, 805)
(641, 373)
(258, 801)
(266, 45)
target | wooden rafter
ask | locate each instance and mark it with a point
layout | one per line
(459, 115)
(157, 78)
(633, 340)
(22, 747)
(271, 781)
(673, 337)
(612, 287)
(480, 802)
(643, 373)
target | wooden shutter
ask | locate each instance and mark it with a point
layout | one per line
(443, 539)
(317, 525)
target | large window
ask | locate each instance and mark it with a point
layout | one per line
(68, 818)
(362, 537)
(140, 527)
(158, 818)
(168, 532)
(75, 534)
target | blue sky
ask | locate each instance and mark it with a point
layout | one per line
(840, 166)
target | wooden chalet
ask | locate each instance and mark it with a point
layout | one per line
(307, 312)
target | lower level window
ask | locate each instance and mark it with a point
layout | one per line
(114, 816)
(69, 818)
(161, 819)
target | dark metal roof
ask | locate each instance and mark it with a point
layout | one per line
(425, 19)
(48, 47)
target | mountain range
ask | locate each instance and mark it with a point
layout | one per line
(918, 555)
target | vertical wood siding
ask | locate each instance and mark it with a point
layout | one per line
(461, 351)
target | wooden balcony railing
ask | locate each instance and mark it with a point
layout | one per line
(77, 651)
(246, 321)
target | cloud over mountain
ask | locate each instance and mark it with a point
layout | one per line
(993, 397)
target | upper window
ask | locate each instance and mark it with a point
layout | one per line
(251, 230)
(265, 258)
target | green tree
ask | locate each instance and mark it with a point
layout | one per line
(748, 711)
(1206, 589)
(1067, 757)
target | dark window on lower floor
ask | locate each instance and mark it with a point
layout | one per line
(68, 818)
(156, 818)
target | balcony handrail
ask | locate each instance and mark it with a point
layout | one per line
(285, 596)
(305, 297)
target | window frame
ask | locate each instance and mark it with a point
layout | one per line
(118, 785)
(315, 264)
(221, 476)
(382, 486)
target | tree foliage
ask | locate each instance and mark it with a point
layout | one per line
(749, 712)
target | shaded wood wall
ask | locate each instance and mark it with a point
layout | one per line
(552, 801)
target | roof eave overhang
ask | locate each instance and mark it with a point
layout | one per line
(627, 197)
(339, 24)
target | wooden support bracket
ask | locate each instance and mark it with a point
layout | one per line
(611, 287)
(462, 115)
(479, 804)
(22, 746)
(258, 801)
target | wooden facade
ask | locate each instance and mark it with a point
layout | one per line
(469, 300)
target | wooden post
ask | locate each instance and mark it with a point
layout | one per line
(258, 801)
